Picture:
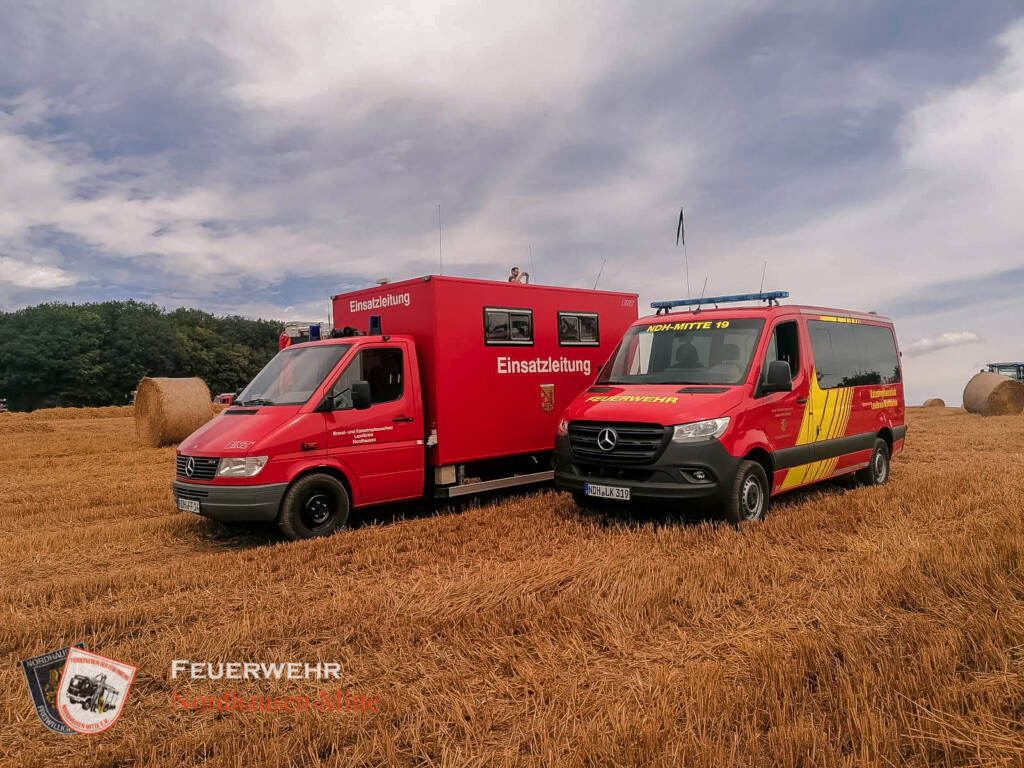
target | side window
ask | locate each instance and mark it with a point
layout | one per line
(824, 354)
(506, 326)
(381, 367)
(879, 361)
(853, 355)
(783, 345)
(578, 329)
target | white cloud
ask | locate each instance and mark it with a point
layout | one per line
(933, 343)
(22, 274)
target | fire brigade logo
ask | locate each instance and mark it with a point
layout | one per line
(92, 691)
(42, 673)
(547, 397)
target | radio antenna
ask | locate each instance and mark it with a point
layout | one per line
(702, 290)
(533, 269)
(599, 272)
(763, 270)
(440, 266)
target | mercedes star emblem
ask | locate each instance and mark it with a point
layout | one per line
(190, 467)
(606, 439)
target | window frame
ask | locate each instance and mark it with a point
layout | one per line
(509, 342)
(577, 314)
(358, 359)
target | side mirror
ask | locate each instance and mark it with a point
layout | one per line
(361, 399)
(778, 377)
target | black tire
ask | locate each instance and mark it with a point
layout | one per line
(748, 498)
(877, 471)
(315, 505)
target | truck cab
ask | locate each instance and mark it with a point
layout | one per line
(735, 405)
(344, 412)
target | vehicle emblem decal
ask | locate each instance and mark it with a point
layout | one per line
(190, 467)
(92, 691)
(547, 397)
(606, 439)
(42, 673)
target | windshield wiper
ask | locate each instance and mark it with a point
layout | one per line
(257, 401)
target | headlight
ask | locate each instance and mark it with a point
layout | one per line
(241, 467)
(699, 431)
(563, 428)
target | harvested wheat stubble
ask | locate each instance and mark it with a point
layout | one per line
(935, 402)
(169, 410)
(10, 425)
(989, 394)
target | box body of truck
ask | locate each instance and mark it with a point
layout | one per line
(498, 362)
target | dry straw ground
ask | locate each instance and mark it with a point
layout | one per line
(854, 627)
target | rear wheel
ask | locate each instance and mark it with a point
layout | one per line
(877, 470)
(315, 505)
(748, 497)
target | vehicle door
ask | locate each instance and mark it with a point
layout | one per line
(382, 444)
(780, 414)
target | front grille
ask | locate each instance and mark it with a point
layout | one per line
(634, 443)
(204, 467)
(191, 493)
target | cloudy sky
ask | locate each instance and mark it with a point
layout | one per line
(255, 157)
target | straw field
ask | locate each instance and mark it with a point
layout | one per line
(869, 626)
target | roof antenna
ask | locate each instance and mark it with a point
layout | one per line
(681, 239)
(440, 266)
(533, 269)
(702, 294)
(599, 272)
(763, 270)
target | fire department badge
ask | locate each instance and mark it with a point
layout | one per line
(547, 397)
(92, 691)
(42, 673)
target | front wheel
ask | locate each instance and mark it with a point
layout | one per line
(748, 498)
(315, 505)
(877, 470)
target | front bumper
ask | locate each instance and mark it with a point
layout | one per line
(672, 476)
(233, 503)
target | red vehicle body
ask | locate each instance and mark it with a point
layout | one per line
(434, 386)
(736, 405)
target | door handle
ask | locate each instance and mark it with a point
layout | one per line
(801, 401)
(400, 419)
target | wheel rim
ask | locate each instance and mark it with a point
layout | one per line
(751, 499)
(318, 510)
(881, 466)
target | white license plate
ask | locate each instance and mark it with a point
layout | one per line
(188, 505)
(606, 491)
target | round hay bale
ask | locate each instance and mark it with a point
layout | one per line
(169, 410)
(935, 402)
(989, 394)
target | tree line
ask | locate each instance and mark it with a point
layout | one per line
(94, 354)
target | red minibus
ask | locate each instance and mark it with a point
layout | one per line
(736, 404)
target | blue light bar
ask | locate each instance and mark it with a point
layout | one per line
(770, 296)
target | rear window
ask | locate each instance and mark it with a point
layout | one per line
(853, 354)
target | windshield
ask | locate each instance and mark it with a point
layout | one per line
(293, 375)
(691, 352)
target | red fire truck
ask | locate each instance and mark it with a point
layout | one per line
(736, 405)
(435, 386)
